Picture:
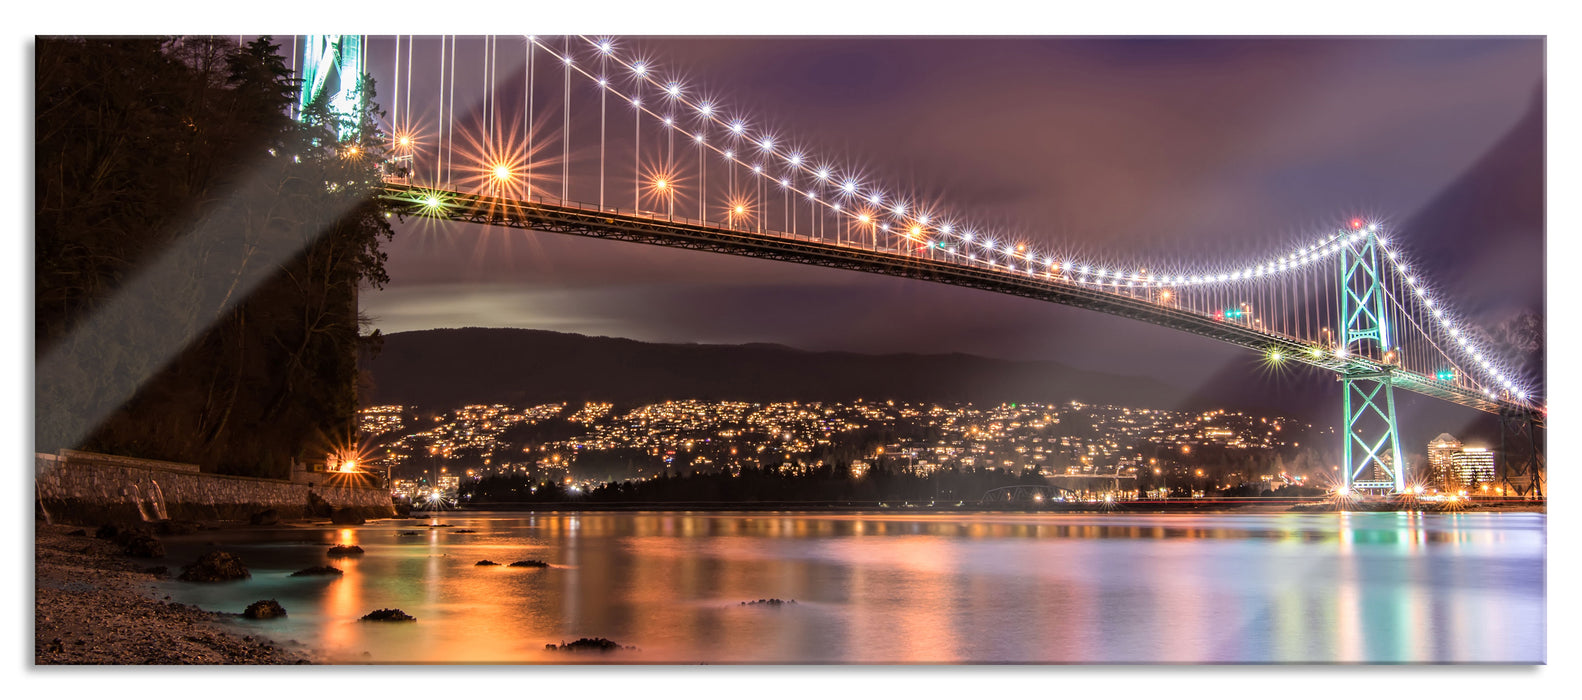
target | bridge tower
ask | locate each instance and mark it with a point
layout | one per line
(1521, 454)
(332, 70)
(1368, 405)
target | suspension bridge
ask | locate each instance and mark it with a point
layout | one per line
(584, 138)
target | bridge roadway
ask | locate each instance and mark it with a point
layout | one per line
(655, 229)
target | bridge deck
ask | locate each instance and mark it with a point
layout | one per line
(591, 222)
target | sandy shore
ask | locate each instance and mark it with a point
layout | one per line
(94, 605)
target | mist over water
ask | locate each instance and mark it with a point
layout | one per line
(894, 588)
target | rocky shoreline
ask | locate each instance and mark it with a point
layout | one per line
(95, 605)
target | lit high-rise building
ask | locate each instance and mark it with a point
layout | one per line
(1474, 465)
(1441, 467)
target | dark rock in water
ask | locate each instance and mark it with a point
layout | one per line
(77, 533)
(128, 534)
(144, 546)
(264, 610)
(486, 562)
(587, 644)
(530, 564)
(463, 532)
(388, 615)
(176, 527)
(345, 550)
(769, 601)
(214, 567)
(318, 571)
(157, 570)
(346, 516)
(266, 517)
(411, 533)
(403, 509)
(442, 525)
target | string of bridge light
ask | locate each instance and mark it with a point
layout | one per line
(922, 225)
(1421, 295)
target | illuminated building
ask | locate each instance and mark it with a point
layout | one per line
(1474, 465)
(449, 485)
(1441, 454)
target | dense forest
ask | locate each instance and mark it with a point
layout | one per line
(200, 241)
(829, 484)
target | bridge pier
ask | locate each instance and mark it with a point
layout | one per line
(1521, 454)
(1370, 425)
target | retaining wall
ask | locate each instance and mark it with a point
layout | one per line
(85, 488)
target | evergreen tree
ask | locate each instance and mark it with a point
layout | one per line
(173, 169)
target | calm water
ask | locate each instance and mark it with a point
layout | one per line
(924, 588)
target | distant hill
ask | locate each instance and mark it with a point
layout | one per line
(452, 367)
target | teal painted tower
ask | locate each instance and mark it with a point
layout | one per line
(1372, 459)
(332, 70)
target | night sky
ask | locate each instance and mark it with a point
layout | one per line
(1125, 149)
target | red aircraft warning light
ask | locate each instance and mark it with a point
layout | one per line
(1356, 223)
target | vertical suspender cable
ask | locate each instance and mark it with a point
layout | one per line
(450, 157)
(395, 117)
(439, 141)
(565, 130)
(486, 112)
(527, 117)
(637, 148)
(410, 64)
(603, 93)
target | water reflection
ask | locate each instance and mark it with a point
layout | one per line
(923, 588)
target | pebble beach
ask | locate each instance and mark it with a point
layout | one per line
(95, 605)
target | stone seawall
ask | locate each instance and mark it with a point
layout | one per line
(88, 489)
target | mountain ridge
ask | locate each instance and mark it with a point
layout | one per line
(444, 368)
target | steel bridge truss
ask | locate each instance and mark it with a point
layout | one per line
(1372, 453)
(332, 70)
(1369, 418)
(1521, 454)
